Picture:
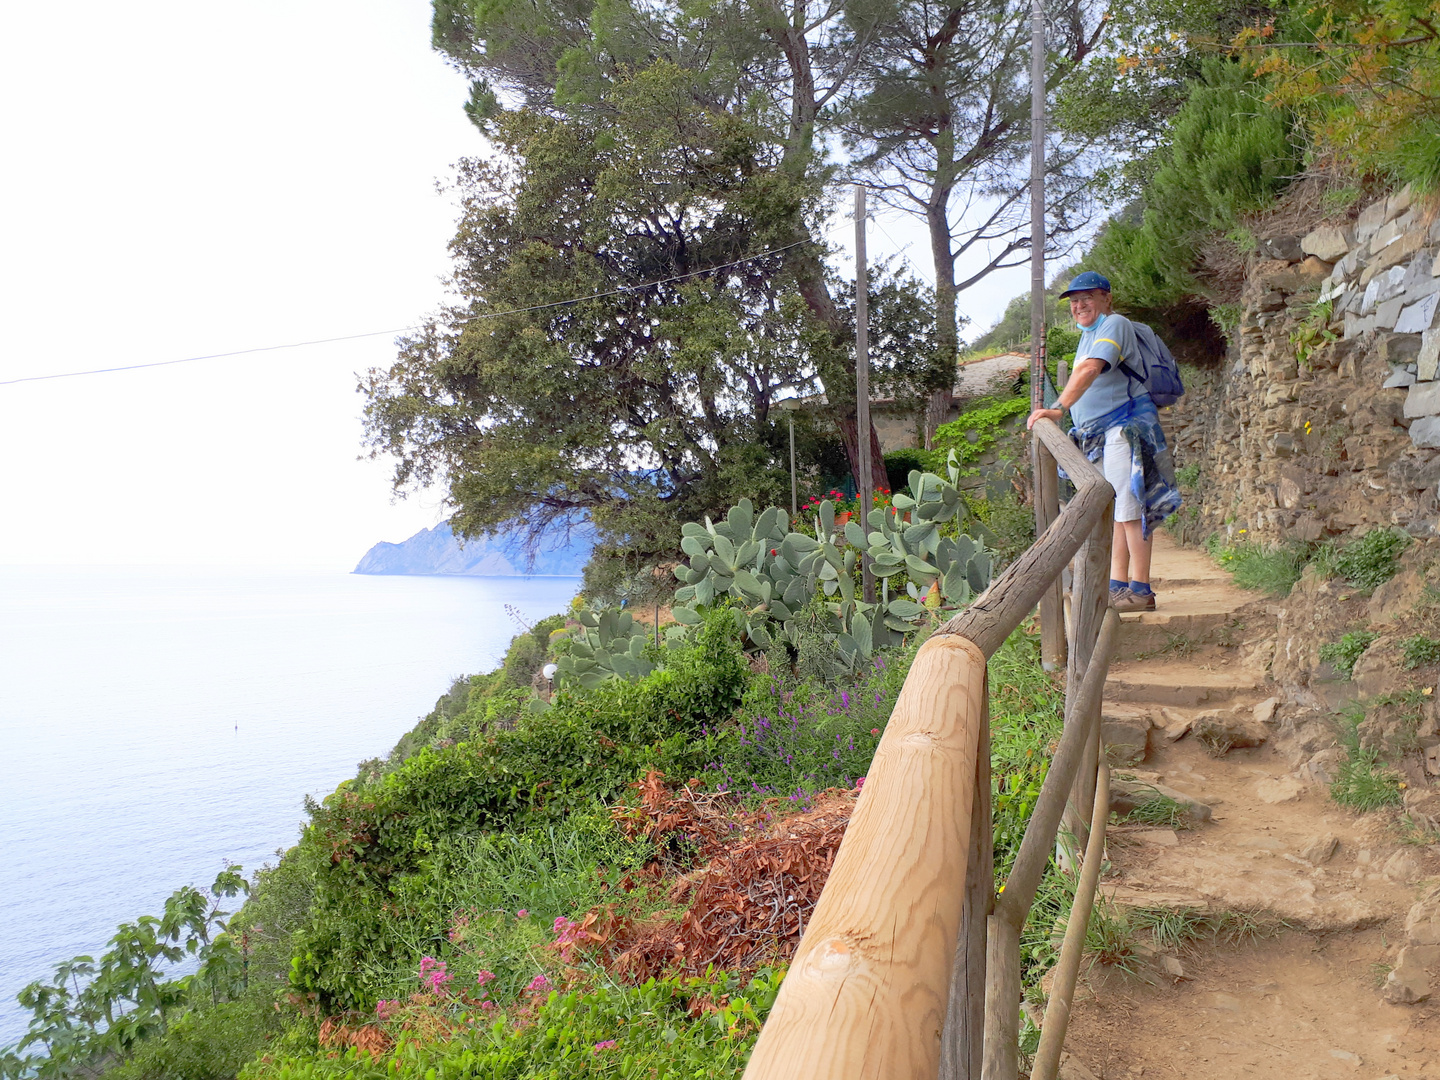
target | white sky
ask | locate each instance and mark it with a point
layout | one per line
(184, 179)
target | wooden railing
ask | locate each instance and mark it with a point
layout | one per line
(910, 966)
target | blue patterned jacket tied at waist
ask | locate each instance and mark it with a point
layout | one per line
(1152, 471)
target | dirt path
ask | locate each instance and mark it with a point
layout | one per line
(1309, 999)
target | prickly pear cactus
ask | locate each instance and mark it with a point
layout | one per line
(773, 573)
(608, 645)
(951, 569)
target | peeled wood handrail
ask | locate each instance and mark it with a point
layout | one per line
(867, 992)
(1013, 595)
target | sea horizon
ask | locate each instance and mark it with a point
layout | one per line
(161, 720)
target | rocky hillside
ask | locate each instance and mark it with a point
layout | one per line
(439, 551)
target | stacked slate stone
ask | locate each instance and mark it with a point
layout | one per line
(1324, 421)
(1387, 278)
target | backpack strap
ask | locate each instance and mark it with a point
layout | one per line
(1121, 363)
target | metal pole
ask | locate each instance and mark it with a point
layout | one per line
(863, 482)
(794, 484)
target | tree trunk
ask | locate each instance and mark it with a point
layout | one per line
(835, 363)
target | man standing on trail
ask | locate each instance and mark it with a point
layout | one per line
(1118, 425)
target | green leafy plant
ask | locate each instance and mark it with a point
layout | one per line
(974, 432)
(92, 1013)
(1372, 560)
(1187, 476)
(1346, 652)
(774, 573)
(1313, 332)
(1418, 651)
(1226, 318)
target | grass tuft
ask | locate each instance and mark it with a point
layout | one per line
(1361, 782)
(1161, 811)
(1270, 569)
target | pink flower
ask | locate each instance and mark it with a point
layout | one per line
(383, 1007)
(859, 784)
(608, 1044)
(874, 731)
(567, 933)
(484, 977)
(487, 1006)
(538, 984)
(522, 914)
(434, 975)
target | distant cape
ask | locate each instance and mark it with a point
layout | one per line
(437, 551)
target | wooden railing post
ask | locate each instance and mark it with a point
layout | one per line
(1090, 599)
(1012, 907)
(1062, 991)
(964, 1040)
(1047, 509)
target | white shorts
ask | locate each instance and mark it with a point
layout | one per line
(1117, 465)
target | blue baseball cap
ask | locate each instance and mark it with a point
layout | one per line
(1087, 281)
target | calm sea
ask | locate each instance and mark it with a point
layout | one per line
(157, 722)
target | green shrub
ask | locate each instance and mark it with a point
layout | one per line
(1372, 560)
(985, 421)
(1187, 476)
(205, 1044)
(1346, 652)
(374, 840)
(1229, 153)
(1418, 651)
(1011, 524)
(899, 464)
(656, 1030)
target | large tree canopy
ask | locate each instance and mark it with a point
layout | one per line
(640, 270)
(655, 387)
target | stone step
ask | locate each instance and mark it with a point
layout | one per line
(1184, 683)
(1172, 566)
(1191, 617)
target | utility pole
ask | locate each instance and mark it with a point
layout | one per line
(1042, 463)
(794, 483)
(863, 483)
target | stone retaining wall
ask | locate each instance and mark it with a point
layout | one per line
(1326, 421)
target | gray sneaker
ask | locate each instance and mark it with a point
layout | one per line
(1123, 600)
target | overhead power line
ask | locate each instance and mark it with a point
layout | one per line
(400, 330)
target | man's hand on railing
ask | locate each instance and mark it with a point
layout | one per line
(1044, 414)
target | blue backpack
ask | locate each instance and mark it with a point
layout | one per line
(1154, 368)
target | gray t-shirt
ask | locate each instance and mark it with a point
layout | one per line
(1111, 338)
